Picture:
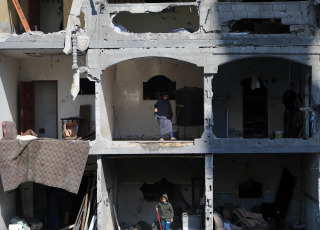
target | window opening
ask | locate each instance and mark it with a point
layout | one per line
(86, 86)
(153, 88)
(170, 20)
(258, 26)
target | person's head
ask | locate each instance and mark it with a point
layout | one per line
(165, 96)
(163, 199)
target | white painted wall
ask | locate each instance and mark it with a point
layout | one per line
(106, 103)
(58, 68)
(276, 71)
(45, 108)
(9, 80)
(135, 115)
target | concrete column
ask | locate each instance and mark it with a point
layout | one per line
(318, 216)
(208, 115)
(104, 209)
(209, 191)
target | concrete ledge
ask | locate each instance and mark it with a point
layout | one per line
(32, 41)
(217, 145)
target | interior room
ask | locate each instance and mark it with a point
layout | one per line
(248, 95)
(282, 194)
(131, 88)
(136, 184)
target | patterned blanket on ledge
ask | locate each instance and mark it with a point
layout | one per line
(52, 162)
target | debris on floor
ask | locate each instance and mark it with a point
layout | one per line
(17, 223)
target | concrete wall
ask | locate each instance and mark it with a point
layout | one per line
(106, 102)
(231, 170)
(58, 68)
(50, 16)
(310, 184)
(7, 206)
(9, 82)
(134, 172)
(107, 192)
(227, 84)
(135, 115)
(45, 100)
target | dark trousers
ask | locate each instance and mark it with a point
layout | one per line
(289, 115)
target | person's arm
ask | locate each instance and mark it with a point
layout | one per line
(157, 206)
(156, 107)
(172, 213)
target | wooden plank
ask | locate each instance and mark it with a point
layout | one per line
(21, 15)
(27, 120)
(80, 211)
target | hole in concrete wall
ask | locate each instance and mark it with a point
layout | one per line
(258, 26)
(170, 20)
(87, 87)
(153, 89)
(147, 1)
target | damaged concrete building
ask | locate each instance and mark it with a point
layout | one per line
(225, 65)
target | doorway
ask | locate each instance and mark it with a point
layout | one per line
(38, 108)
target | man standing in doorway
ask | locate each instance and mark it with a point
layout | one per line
(289, 100)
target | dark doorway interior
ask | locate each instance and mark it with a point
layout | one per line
(255, 110)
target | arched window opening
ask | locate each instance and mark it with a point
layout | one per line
(157, 85)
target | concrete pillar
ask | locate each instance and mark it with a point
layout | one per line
(209, 192)
(318, 216)
(105, 207)
(208, 115)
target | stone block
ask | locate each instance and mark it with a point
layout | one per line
(293, 6)
(296, 28)
(226, 16)
(254, 14)
(266, 7)
(237, 15)
(252, 7)
(294, 14)
(288, 21)
(279, 6)
(280, 14)
(267, 14)
(238, 7)
(223, 7)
